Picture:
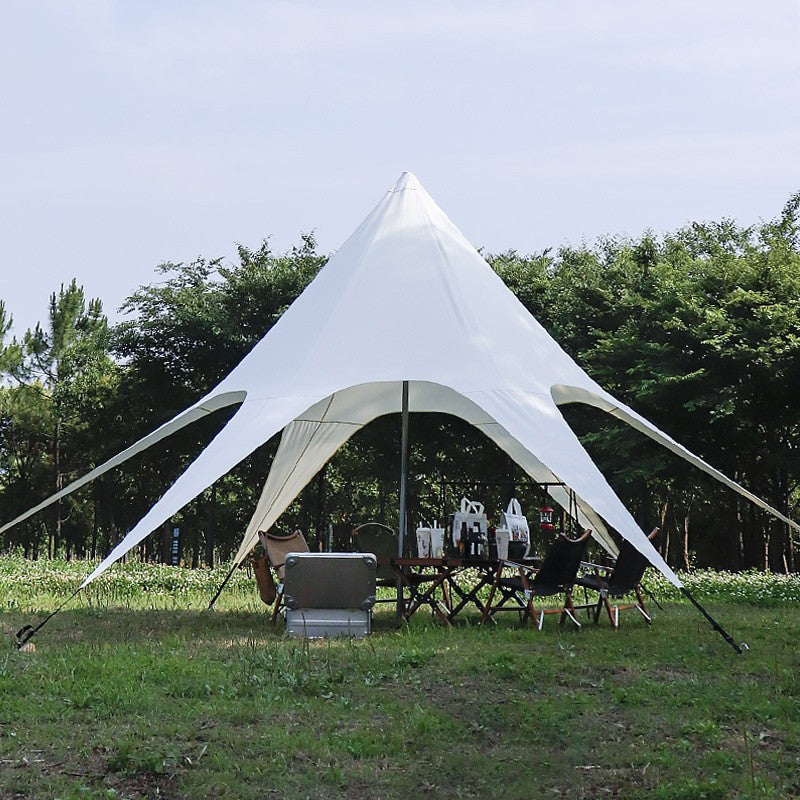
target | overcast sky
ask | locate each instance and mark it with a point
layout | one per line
(140, 132)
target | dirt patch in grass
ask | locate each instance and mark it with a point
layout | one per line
(144, 786)
(626, 676)
(35, 768)
(739, 739)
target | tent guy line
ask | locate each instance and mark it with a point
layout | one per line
(439, 318)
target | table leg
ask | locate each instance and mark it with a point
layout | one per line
(426, 598)
(488, 610)
(472, 595)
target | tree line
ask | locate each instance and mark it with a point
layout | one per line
(698, 330)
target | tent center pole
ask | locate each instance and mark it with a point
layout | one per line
(401, 528)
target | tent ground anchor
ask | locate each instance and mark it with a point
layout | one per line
(715, 625)
(27, 632)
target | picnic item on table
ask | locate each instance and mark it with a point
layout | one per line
(423, 542)
(502, 537)
(514, 521)
(430, 541)
(437, 541)
(478, 544)
(468, 530)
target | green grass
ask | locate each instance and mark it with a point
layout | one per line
(144, 696)
(23, 584)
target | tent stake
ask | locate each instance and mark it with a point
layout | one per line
(222, 586)
(401, 530)
(715, 625)
(27, 632)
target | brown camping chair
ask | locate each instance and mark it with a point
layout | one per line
(625, 578)
(556, 574)
(277, 547)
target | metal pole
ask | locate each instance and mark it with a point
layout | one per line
(401, 530)
(715, 625)
(223, 584)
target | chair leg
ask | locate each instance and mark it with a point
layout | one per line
(526, 608)
(569, 611)
(586, 603)
(277, 606)
(528, 592)
(487, 611)
(641, 606)
(529, 612)
(598, 608)
(610, 612)
(447, 597)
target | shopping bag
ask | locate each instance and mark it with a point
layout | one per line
(471, 513)
(517, 525)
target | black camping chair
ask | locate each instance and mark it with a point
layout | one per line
(625, 578)
(381, 540)
(556, 574)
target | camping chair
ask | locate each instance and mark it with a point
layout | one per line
(373, 537)
(277, 547)
(625, 578)
(556, 574)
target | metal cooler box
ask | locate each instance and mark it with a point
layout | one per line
(329, 594)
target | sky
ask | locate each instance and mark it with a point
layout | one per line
(139, 132)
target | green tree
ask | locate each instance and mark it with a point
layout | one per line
(68, 364)
(698, 332)
(11, 353)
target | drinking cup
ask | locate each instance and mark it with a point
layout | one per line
(424, 542)
(502, 537)
(437, 542)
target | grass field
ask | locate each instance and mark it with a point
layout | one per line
(142, 695)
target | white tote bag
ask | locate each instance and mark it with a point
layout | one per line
(471, 512)
(517, 525)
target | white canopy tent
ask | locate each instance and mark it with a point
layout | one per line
(406, 298)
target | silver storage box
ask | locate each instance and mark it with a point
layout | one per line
(315, 623)
(329, 594)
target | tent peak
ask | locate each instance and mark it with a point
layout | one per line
(408, 180)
